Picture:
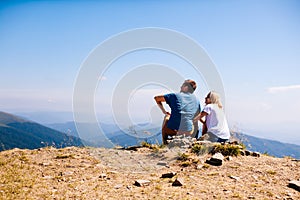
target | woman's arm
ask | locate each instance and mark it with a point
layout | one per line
(201, 117)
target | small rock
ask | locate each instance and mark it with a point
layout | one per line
(118, 186)
(247, 153)
(235, 142)
(177, 183)
(47, 177)
(226, 191)
(296, 160)
(295, 185)
(190, 193)
(256, 154)
(251, 197)
(216, 159)
(234, 177)
(205, 142)
(229, 158)
(128, 187)
(277, 197)
(102, 176)
(113, 172)
(68, 173)
(100, 166)
(161, 163)
(168, 175)
(141, 183)
(199, 166)
(133, 148)
(45, 164)
(180, 141)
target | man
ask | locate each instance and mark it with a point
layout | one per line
(184, 107)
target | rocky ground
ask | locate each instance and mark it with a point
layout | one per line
(97, 173)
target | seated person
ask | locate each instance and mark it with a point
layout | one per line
(184, 107)
(213, 119)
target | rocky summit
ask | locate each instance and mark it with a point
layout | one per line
(147, 172)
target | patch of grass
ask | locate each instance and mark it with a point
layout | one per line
(213, 174)
(271, 172)
(205, 166)
(186, 163)
(23, 158)
(236, 196)
(187, 159)
(158, 187)
(267, 193)
(200, 149)
(255, 185)
(151, 146)
(227, 149)
(183, 156)
(17, 184)
(64, 156)
(145, 144)
(195, 160)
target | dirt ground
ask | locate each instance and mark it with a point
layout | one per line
(98, 173)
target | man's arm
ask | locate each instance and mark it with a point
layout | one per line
(159, 99)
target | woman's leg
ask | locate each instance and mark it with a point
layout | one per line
(222, 140)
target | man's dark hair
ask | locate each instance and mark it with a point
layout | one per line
(191, 85)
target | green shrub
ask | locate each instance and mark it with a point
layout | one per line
(183, 156)
(227, 149)
(64, 156)
(150, 146)
(200, 149)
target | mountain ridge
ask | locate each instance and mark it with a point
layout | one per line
(262, 145)
(17, 132)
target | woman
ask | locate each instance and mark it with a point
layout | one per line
(213, 119)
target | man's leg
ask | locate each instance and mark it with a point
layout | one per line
(165, 132)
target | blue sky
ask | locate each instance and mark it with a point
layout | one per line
(255, 46)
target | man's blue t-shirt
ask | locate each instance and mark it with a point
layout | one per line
(183, 106)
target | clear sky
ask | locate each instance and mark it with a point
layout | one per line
(255, 46)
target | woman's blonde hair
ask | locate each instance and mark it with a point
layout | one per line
(215, 98)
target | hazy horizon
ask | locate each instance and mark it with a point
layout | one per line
(47, 118)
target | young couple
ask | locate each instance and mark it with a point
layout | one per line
(186, 112)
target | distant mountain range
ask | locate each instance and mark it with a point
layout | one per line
(16, 132)
(270, 147)
(119, 137)
(131, 136)
(22, 133)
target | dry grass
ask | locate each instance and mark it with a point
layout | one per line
(77, 173)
